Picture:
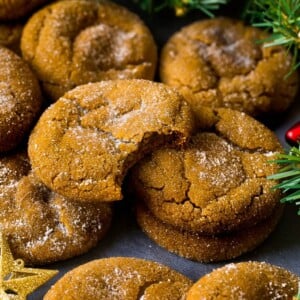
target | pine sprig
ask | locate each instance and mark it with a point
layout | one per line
(282, 18)
(181, 7)
(289, 175)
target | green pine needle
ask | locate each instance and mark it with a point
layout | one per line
(282, 18)
(182, 6)
(289, 175)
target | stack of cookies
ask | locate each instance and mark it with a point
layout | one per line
(211, 200)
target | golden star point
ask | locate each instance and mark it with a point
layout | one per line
(16, 281)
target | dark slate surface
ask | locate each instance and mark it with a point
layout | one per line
(282, 248)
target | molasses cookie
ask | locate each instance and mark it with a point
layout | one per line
(84, 143)
(219, 63)
(14, 9)
(20, 99)
(120, 278)
(218, 182)
(40, 225)
(248, 281)
(73, 42)
(10, 36)
(206, 248)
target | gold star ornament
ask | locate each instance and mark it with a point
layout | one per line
(16, 281)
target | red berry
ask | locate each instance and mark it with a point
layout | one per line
(292, 136)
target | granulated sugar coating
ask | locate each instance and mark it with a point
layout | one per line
(84, 143)
(206, 248)
(218, 182)
(20, 99)
(73, 42)
(40, 225)
(220, 63)
(120, 278)
(246, 281)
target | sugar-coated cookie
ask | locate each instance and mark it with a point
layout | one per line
(120, 278)
(220, 63)
(84, 143)
(20, 99)
(248, 281)
(73, 42)
(40, 225)
(218, 182)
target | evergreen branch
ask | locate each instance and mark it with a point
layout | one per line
(289, 175)
(282, 18)
(181, 7)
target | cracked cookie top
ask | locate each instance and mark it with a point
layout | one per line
(246, 280)
(217, 183)
(73, 42)
(219, 63)
(120, 278)
(84, 143)
(42, 226)
(20, 99)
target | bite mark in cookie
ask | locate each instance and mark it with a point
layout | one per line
(84, 144)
